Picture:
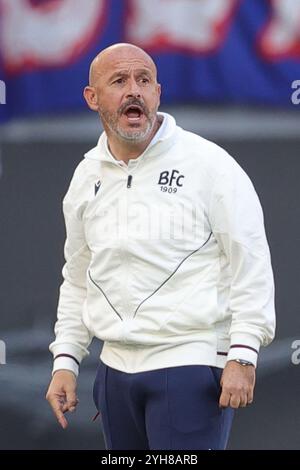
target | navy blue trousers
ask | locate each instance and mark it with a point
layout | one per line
(173, 408)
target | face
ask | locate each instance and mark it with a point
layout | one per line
(127, 94)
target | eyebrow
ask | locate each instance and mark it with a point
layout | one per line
(123, 73)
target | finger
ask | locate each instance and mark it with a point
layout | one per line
(250, 398)
(243, 400)
(71, 399)
(57, 408)
(235, 401)
(74, 406)
(224, 399)
(62, 421)
(65, 407)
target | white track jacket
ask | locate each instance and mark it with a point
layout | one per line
(167, 260)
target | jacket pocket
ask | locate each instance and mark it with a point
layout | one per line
(198, 310)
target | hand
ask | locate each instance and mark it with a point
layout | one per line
(237, 384)
(61, 395)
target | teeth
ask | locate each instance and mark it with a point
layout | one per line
(136, 118)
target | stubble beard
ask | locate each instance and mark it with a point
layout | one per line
(134, 135)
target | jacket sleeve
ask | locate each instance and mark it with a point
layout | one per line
(237, 222)
(72, 337)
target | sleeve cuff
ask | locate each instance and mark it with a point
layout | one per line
(67, 363)
(66, 356)
(244, 347)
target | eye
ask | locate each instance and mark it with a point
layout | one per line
(119, 81)
(145, 80)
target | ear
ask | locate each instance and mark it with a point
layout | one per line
(91, 98)
(158, 92)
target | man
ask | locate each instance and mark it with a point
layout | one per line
(167, 262)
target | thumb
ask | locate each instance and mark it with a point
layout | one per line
(71, 398)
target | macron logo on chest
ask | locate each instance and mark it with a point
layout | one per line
(97, 186)
(170, 181)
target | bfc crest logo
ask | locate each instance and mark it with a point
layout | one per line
(170, 181)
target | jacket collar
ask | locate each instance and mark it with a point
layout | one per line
(162, 140)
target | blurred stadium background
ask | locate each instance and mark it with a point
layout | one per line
(230, 71)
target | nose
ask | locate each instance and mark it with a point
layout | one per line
(133, 90)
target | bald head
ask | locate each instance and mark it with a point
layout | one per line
(115, 54)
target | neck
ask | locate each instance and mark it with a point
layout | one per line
(125, 150)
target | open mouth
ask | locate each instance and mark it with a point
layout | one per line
(133, 113)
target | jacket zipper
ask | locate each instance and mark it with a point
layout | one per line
(125, 262)
(129, 180)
